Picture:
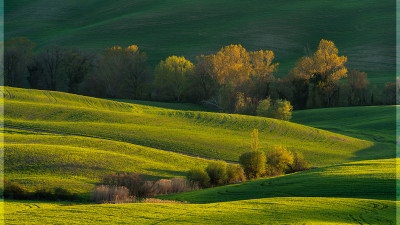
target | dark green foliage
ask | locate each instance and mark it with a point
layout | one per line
(279, 159)
(299, 163)
(134, 182)
(198, 177)
(263, 107)
(14, 190)
(217, 172)
(235, 174)
(253, 163)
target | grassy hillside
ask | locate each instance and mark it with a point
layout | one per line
(375, 123)
(362, 30)
(214, 135)
(260, 211)
(371, 179)
(77, 163)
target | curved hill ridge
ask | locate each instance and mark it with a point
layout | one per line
(214, 135)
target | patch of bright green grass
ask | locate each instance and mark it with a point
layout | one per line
(214, 135)
(78, 163)
(372, 179)
(374, 123)
(292, 210)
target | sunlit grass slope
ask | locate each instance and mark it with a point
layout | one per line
(370, 179)
(77, 163)
(215, 135)
(362, 30)
(375, 123)
(291, 210)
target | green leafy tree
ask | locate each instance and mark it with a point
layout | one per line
(171, 77)
(235, 174)
(281, 109)
(263, 107)
(279, 160)
(299, 163)
(199, 177)
(217, 172)
(253, 164)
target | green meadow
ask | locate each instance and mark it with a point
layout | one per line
(362, 30)
(282, 210)
(57, 139)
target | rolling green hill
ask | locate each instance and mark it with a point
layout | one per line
(374, 123)
(214, 135)
(77, 163)
(371, 179)
(261, 211)
(362, 30)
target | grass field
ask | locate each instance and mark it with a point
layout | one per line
(371, 179)
(214, 135)
(374, 123)
(58, 139)
(363, 31)
(77, 163)
(291, 210)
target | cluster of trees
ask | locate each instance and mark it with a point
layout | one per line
(252, 165)
(232, 80)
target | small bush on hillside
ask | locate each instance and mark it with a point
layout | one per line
(14, 190)
(134, 182)
(217, 173)
(179, 184)
(299, 163)
(198, 177)
(281, 109)
(253, 163)
(111, 194)
(263, 107)
(235, 174)
(279, 159)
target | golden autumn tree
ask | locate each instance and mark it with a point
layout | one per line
(324, 69)
(171, 77)
(231, 65)
(262, 71)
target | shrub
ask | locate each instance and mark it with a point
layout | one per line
(279, 159)
(134, 182)
(253, 163)
(178, 185)
(14, 190)
(112, 194)
(281, 109)
(217, 172)
(235, 174)
(299, 163)
(198, 177)
(263, 107)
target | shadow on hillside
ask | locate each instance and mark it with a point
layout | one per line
(377, 151)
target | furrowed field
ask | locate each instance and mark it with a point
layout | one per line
(57, 139)
(363, 30)
(283, 210)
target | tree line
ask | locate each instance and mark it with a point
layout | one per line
(233, 80)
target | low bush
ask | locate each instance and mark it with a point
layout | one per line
(299, 163)
(14, 190)
(134, 182)
(235, 174)
(198, 177)
(253, 163)
(279, 160)
(111, 194)
(217, 173)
